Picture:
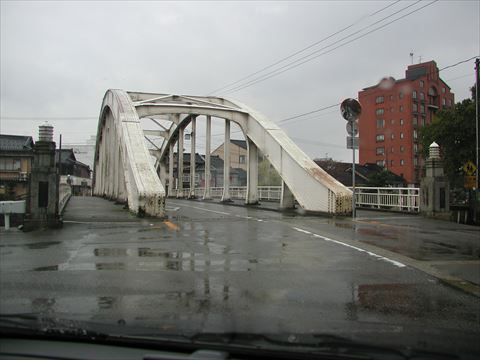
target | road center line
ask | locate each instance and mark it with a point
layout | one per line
(203, 209)
(394, 262)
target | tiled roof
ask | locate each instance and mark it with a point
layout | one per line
(16, 143)
(240, 143)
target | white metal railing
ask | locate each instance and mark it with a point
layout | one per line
(271, 193)
(64, 194)
(388, 198)
(384, 198)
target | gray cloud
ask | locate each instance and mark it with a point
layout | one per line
(59, 58)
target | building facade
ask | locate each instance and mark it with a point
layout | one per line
(16, 156)
(238, 154)
(393, 111)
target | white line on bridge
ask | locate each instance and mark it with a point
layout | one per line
(203, 209)
(396, 263)
(218, 212)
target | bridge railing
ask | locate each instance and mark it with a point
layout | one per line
(383, 198)
(270, 193)
(387, 198)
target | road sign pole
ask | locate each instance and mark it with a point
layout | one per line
(353, 171)
(351, 110)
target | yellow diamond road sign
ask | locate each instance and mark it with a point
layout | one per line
(469, 168)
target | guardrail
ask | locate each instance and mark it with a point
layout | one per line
(270, 193)
(384, 198)
(388, 198)
(65, 192)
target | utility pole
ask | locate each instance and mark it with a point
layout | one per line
(477, 79)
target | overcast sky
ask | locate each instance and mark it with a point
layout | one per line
(58, 58)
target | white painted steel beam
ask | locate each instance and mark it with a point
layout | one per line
(193, 135)
(226, 163)
(312, 188)
(206, 194)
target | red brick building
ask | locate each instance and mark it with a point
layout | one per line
(393, 111)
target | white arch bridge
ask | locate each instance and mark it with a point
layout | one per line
(124, 169)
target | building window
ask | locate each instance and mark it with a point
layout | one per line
(422, 108)
(401, 121)
(422, 95)
(414, 107)
(380, 137)
(402, 148)
(392, 136)
(242, 159)
(415, 161)
(402, 162)
(415, 121)
(380, 123)
(379, 100)
(380, 150)
(10, 164)
(391, 149)
(391, 97)
(422, 83)
(414, 94)
(443, 90)
(391, 162)
(380, 111)
(391, 109)
(392, 122)
(444, 101)
(400, 95)
(423, 120)
(415, 148)
(401, 108)
(381, 163)
(401, 135)
(415, 134)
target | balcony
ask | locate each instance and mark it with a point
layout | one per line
(14, 176)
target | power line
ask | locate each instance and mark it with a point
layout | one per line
(52, 118)
(308, 58)
(331, 106)
(307, 113)
(303, 49)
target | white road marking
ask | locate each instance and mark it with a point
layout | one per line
(203, 209)
(394, 262)
(218, 212)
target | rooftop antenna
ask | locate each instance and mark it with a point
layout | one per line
(420, 59)
(411, 57)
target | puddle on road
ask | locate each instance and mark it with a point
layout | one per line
(35, 245)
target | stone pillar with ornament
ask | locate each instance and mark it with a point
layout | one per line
(435, 188)
(43, 183)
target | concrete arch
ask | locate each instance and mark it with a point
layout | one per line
(120, 141)
(312, 188)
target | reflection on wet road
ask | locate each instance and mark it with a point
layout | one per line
(218, 268)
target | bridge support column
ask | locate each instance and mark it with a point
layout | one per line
(226, 163)
(207, 194)
(252, 174)
(180, 163)
(287, 200)
(163, 171)
(193, 135)
(171, 159)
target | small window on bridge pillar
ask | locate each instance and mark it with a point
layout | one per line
(43, 194)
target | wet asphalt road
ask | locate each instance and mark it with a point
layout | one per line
(216, 268)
